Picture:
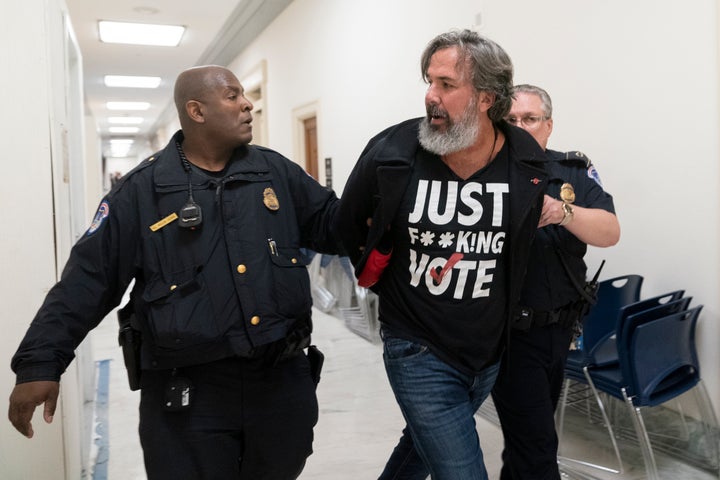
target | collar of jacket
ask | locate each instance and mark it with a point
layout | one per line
(169, 173)
(522, 145)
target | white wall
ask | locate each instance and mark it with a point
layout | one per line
(635, 86)
(28, 253)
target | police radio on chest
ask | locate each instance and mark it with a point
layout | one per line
(190, 215)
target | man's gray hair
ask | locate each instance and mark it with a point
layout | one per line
(489, 66)
(544, 97)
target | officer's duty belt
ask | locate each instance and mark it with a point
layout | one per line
(528, 317)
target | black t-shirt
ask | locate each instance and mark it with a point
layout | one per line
(445, 286)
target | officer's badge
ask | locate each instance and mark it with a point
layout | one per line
(270, 199)
(567, 193)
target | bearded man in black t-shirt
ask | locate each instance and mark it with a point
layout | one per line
(454, 200)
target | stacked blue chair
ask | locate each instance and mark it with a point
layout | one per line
(604, 353)
(648, 360)
(601, 321)
(657, 363)
(598, 337)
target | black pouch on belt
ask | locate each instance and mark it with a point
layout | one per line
(129, 339)
(522, 319)
(316, 359)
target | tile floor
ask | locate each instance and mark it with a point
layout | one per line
(359, 421)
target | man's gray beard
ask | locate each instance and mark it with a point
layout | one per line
(459, 136)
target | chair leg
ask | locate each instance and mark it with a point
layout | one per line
(643, 439)
(560, 420)
(708, 419)
(606, 419)
(562, 460)
(683, 418)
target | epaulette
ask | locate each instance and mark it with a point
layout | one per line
(146, 162)
(576, 156)
(140, 166)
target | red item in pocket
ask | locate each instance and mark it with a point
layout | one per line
(376, 263)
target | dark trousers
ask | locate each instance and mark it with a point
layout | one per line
(525, 395)
(247, 421)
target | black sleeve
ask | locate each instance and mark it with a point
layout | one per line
(315, 209)
(357, 204)
(98, 271)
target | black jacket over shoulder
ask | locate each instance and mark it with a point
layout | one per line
(379, 179)
(234, 284)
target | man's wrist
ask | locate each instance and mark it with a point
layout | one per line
(568, 214)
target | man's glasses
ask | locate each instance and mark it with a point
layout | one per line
(528, 121)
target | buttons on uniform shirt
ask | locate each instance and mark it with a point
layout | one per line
(241, 268)
(294, 260)
(255, 320)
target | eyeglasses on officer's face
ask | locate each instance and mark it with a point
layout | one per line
(528, 121)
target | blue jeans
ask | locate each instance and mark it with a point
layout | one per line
(405, 462)
(438, 403)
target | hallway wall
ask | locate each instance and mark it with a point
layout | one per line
(635, 86)
(43, 202)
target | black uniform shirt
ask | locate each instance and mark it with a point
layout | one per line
(547, 285)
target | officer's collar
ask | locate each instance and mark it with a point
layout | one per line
(170, 171)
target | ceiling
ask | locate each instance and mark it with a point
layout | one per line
(216, 31)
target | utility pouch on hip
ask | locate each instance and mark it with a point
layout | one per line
(297, 340)
(129, 339)
(522, 319)
(316, 359)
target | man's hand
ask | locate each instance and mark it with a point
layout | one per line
(552, 212)
(25, 397)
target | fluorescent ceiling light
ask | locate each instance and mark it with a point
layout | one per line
(123, 129)
(125, 120)
(132, 81)
(127, 105)
(140, 33)
(119, 150)
(121, 141)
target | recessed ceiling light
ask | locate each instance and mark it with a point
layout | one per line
(123, 129)
(132, 81)
(127, 105)
(125, 120)
(120, 150)
(140, 33)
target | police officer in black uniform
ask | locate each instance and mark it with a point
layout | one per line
(577, 212)
(210, 229)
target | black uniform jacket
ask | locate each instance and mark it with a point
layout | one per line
(234, 284)
(548, 285)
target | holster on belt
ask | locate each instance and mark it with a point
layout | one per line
(130, 340)
(296, 341)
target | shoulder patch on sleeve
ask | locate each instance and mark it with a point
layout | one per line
(593, 173)
(102, 213)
